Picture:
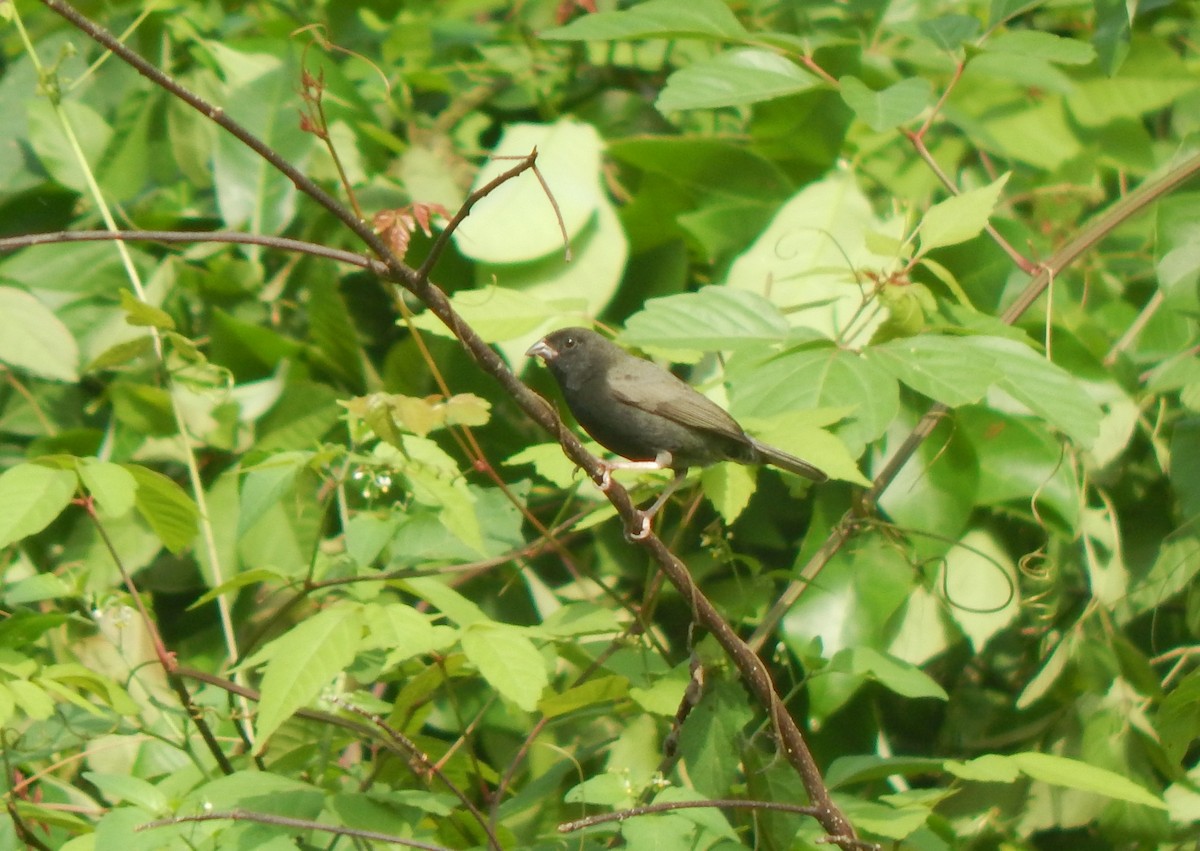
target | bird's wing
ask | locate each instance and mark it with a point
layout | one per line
(641, 384)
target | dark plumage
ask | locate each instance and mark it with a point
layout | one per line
(639, 410)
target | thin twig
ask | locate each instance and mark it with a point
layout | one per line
(295, 246)
(295, 823)
(667, 806)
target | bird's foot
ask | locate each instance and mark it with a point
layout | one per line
(605, 477)
(641, 530)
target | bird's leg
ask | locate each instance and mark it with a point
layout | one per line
(648, 515)
(661, 462)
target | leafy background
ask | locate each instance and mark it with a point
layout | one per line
(283, 564)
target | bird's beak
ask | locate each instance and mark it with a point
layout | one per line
(541, 349)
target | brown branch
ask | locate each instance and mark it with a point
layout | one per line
(166, 659)
(296, 823)
(667, 806)
(295, 246)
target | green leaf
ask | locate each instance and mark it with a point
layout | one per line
(53, 148)
(823, 377)
(946, 369)
(250, 192)
(1073, 774)
(138, 312)
(34, 340)
(163, 504)
(989, 768)
(890, 672)
(265, 484)
(1045, 388)
(452, 498)
(1037, 44)
(961, 217)
(111, 485)
(848, 770)
(891, 107)
(1113, 31)
(1020, 459)
(707, 734)
(590, 693)
(508, 660)
(31, 497)
(735, 78)
(1151, 78)
(249, 577)
(119, 788)
(895, 823)
(400, 630)
(804, 261)
(1178, 719)
(729, 488)
(309, 656)
(712, 319)
(568, 159)
(654, 19)
(979, 581)
(445, 599)
(948, 32)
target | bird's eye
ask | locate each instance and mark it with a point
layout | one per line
(569, 342)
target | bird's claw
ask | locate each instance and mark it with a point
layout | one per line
(642, 532)
(605, 478)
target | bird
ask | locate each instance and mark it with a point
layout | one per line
(642, 412)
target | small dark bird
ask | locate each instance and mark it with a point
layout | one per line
(639, 410)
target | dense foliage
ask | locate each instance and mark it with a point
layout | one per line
(288, 560)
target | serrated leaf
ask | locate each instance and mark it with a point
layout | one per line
(822, 377)
(961, 217)
(496, 313)
(445, 599)
(729, 488)
(654, 19)
(1041, 45)
(265, 484)
(317, 649)
(34, 340)
(587, 694)
(891, 107)
(400, 630)
(989, 768)
(549, 462)
(712, 319)
(31, 497)
(163, 504)
(901, 677)
(112, 486)
(508, 660)
(249, 577)
(137, 312)
(735, 78)
(946, 369)
(947, 31)
(125, 787)
(1045, 388)
(1074, 774)
(121, 353)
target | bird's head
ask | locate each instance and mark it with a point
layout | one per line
(567, 346)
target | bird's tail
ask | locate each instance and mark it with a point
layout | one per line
(784, 461)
